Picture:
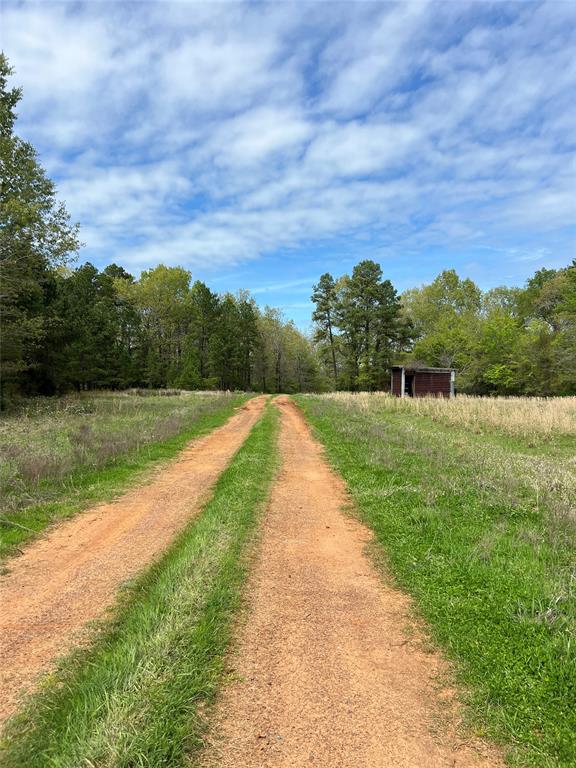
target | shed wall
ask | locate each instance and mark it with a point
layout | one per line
(436, 383)
(397, 383)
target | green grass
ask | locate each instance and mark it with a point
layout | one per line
(138, 696)
(489, 559)
(101, 445)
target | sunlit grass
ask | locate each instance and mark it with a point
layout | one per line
(57, 455)
(479, 525)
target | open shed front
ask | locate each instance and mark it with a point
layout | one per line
(422, 382)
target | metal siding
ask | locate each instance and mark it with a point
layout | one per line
(396, 383)
(438, 383)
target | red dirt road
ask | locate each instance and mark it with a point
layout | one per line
(71, 575)
(326, 675)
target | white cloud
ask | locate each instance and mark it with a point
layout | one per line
(369, 59)
(215, 133)
(358, 149)
(258, 134)
(292, 284)
(207, 73)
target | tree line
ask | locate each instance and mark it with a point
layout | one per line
(504, 341)
(91, 329)
(64, 328)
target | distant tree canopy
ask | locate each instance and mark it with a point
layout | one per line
(108, 330)
(503, 341)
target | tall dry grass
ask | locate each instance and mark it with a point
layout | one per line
(527, 417)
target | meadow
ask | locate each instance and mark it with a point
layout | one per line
(534, 419)
(58, 454)
(473, 504)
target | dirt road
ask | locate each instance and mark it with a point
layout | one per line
(71, 576)
(327, 677)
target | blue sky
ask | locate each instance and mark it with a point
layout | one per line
(261, 144)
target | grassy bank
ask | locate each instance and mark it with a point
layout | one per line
(479, 526)
(137, 697)
(59, 455)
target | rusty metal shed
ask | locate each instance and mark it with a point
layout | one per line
(407, 381)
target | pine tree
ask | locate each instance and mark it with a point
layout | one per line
(325, 298)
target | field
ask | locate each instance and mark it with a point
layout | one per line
(403, 595)
(109, 710)
(53, 450)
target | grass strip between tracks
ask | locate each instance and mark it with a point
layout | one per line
(137, 696)
(492, 572)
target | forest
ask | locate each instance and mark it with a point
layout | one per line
(106, 330)
(66, 327)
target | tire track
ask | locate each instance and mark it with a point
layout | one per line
(70, 576)
(326, 675)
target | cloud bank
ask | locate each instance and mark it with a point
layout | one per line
(210, 135)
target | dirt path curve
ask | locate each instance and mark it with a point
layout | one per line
(71, 576)
(326, 677)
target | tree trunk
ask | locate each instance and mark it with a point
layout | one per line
(333, 351)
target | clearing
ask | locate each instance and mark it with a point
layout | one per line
(473, 513)
(326, 674)
(44, 607)
(59, 456)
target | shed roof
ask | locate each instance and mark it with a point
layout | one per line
(421, 369)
